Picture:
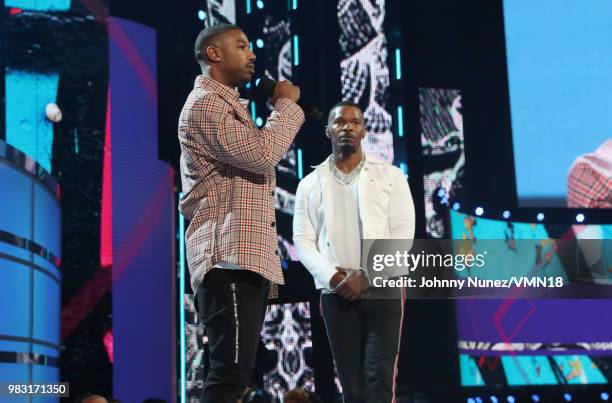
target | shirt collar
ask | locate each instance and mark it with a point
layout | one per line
(209, 84)
(368, 160)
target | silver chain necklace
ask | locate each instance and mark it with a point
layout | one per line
(341, 177)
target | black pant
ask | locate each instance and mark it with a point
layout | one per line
(232, 306)
(364, 337)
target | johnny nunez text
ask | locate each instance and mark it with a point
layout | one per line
(470, 282)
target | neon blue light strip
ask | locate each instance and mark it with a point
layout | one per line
(300, 168)
(398, 64)
(296, 51)
(404, 168)
(400, 121)
(76, 141)
(248, 6)
(294, 6)
(183, 384)
(253, 109)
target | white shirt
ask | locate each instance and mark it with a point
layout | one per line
(385, 210)
(347, 248)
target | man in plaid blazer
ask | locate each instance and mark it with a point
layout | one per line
(228, 178)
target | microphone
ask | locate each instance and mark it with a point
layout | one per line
(266, 86)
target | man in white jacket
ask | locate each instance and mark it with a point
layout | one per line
(347, 198)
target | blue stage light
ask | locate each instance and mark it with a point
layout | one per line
(506, 214)
(398, 64)
(300, 167)
(296, 51)
(479, 211)
(400, 121)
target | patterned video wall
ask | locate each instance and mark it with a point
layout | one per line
(56, 113)
(30, 278)
(364, 71)
(283, 357)
(443, 153)
(520, 342)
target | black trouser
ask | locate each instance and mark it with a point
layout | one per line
(364, 337)
(232, 306)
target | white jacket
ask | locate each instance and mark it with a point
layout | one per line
(385, 208)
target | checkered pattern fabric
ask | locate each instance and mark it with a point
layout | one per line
(589, 182)
(228, 178)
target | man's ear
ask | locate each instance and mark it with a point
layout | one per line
(327, 134)
(212, 54)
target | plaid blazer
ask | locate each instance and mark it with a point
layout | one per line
(589, 183)
(228, 179)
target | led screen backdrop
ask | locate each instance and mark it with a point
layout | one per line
(443, 153)
(287, 337)
(559, 62)
(531, 342)
(283, 357)
(364, 71)
(142, 221)
(30, 277)
(48, 49)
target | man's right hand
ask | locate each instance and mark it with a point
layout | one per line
(337, 278)
(284, 89)
(352, 285)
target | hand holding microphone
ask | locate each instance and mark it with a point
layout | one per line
(284, 89)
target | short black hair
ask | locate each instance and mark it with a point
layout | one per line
(342, 103)
(206, 35)
(85, 395)
(257, 395)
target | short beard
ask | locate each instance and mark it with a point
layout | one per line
(347, 148)
(240, 82)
